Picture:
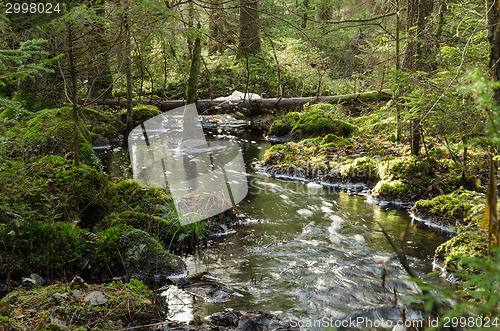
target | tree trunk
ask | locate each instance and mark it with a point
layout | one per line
(209, 107)
(128, 60)
(411, 22)
(194, 72)
(74, 99)
(249, 41)
(424, 61)
(303, 18)
(216, 26)
(493, 20)
(398, 67)
(439, 30)
(100, 79)
(324, 12)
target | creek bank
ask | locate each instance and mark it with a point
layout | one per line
(80, 306)
(58, 220)
(323, 151)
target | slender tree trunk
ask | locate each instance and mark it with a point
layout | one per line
(303, 18)
(194, 72)
(424, 61)
(493, 20)
(74, 99)
(128, 60)
(100, 79)
(439, 30)
(249, 41)
(324, 12)
(398, 68)
(216, 26)
(411, 22)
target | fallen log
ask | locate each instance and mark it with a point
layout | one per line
(255, 106)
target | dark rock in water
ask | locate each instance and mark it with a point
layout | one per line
(252, 321)
(206, 286)
(101, 143)
(144, 257)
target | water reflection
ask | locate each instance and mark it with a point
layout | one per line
(204, 177)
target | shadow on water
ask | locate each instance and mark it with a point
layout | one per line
(308, 253)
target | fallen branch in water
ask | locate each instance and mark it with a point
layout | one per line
(436, 307)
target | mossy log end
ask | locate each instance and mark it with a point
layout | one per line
(209, 107)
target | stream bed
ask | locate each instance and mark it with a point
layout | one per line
(308, 253)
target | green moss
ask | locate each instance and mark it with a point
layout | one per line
(102, 122)
(395, 189)
(153, 201)
(457, 208)
(160, 228)
(51, 131)
(361, 169)
(57, 247)
(123, 250)
(131, 302)
(469, 243)
(314, 120)
(331, 140)
(141, 113)
(416, 173)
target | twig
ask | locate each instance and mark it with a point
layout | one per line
(436, 307)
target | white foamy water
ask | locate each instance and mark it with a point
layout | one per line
(304, 212)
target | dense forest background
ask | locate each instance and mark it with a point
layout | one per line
(426, 52)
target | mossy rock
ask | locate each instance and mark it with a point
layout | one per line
(160, 228)
(36, 245)
(458, 208)
(361, 169)
(153, 201)
(52, 189)
(101, 122)
(416, 173)
(331, 140)
(141, 113)
(129, 251)
(391, 190)
(312, 121)
(468, 243)
(51, 131)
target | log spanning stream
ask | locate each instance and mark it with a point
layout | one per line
(308, 253)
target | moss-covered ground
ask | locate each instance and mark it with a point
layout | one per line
(62, 306)
(370, 154)
(58, 220)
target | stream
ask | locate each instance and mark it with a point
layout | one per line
(308, 253)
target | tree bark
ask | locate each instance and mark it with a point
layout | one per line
(249, 41)
(74, 99)
(424, 60)
(209, 107)
(303, 18)
(194, 72)
(216, 26)
(493, 19)
(398, 67)
(128, 60)
(411, 22)
(100, 79)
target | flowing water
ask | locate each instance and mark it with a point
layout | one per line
(309, 253)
